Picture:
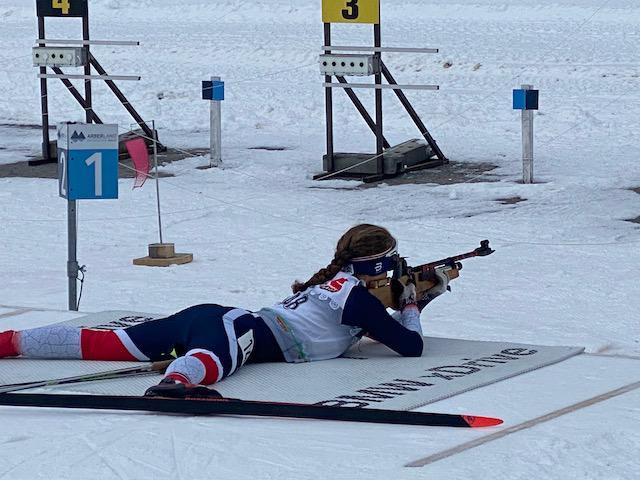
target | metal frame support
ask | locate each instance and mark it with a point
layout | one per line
(74, 91)
(328, 101)
(381, 49)
(377, 43)
(58, 41)
(123, 100)
(44, 106)
(87, 69)
(71, 76)
(360, 107)
(381, 87)
(414, 115)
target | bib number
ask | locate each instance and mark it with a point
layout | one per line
(294, 301)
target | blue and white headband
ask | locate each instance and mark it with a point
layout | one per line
(375, 264)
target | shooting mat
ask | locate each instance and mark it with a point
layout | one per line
(369, 375)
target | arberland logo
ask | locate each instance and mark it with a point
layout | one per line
(77, 137)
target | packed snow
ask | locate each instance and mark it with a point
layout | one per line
(566, 261)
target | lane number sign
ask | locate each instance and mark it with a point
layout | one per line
(351, 11)
(88, 161)
(62, 8)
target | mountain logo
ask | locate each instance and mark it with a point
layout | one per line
(77, 137)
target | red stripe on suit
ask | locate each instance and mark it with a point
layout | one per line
(103, 345)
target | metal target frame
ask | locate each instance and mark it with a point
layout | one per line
(76, 9)
(368, 12)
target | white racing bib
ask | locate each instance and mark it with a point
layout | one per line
(308, 325)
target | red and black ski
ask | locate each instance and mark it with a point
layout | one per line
(229, 406)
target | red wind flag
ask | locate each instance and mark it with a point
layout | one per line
(140, 157)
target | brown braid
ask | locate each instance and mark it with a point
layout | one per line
(359, 241)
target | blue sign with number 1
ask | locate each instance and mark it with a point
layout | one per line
(88, 161)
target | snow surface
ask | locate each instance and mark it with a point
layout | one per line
(566, 261)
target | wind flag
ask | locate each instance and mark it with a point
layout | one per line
(140, 157)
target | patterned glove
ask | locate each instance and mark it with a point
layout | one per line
(403, 294)
(435, 291)
(408, 296)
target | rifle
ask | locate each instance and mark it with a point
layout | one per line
(423, 276)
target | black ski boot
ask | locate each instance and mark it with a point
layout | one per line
(169, 388)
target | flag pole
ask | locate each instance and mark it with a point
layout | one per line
(160, 254)
(155, 163)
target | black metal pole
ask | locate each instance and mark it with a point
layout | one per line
(125, 103)
(361, 108)
(72, 262)
(328, 101)
(44, 105)
(378, 93)
(87, 70)
(414, 116)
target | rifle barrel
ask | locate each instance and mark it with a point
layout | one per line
(482, 251)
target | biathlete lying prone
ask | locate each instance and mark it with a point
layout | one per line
(325, 316)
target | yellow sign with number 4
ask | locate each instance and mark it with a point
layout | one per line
(62, 5)
(351, 11)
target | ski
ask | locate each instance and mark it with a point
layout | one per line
(143, 369)
(232, 406)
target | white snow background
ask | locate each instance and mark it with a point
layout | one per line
(566, 261)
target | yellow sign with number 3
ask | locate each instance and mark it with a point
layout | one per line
(351, 11)
(62, 5)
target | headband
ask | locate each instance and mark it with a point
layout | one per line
(376, 264)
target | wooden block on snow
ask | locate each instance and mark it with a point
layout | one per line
(177, 259)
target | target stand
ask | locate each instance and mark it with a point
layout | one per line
(57, 53)
(387, 161)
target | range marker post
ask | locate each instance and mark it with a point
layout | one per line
(526, 99)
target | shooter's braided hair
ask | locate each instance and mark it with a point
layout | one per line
(359, 241)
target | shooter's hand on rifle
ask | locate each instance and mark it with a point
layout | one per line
(406, 294)
(403, 295)
(438, 289)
